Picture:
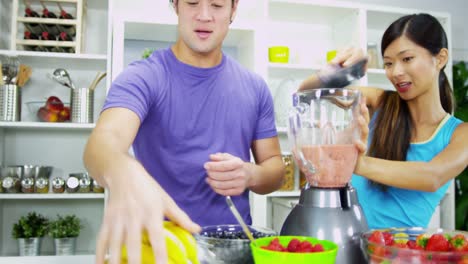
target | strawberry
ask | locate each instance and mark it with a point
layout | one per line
(437, 242)
(412, 244)
(318, 248)
(388, 238)
(421, 240)
(377, 237)
(293, 245)
(459, 243)
(305, 246)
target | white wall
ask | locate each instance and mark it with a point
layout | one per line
(456, 8)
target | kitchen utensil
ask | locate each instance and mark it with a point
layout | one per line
(336, 76)
(10, 102)
(323, 127)
(239, 219)
(24, 74)
(63, 77)
(82, 105)
(97, 79)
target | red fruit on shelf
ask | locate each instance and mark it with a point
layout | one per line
(64, 115)
(47, 116)
(54, 104)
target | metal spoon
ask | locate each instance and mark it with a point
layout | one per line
(62, 76)
(239, 219)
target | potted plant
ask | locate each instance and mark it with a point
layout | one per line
(64, 230)
(460, 89)
(29, 231)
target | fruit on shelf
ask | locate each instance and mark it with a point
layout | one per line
(54, 110)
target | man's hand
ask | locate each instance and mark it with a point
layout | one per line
(136, 203)
(227, 174)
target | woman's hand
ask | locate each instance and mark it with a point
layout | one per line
(227, 174)
(348, 56)
(363, 121)
(136, 203)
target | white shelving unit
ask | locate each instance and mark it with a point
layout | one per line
(60, 145)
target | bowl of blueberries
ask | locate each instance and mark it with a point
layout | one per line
(228, 243)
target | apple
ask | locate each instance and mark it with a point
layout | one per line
(47, 116)
(64, 115)
(54, 104)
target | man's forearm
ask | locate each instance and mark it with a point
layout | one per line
(267, 176)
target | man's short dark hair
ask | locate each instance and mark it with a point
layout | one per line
(172, 1)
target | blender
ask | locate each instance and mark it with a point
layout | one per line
(323, 127)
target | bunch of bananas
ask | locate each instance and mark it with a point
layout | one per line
(180, 244)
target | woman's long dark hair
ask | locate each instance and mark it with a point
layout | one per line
(392, 127)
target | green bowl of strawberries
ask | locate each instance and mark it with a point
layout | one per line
(415, 245)
(293, 249)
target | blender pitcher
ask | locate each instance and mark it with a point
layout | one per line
(322, 131)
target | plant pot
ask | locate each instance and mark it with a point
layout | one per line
(65, 246)
(29, 246)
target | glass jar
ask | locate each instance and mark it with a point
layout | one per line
(27, 185)
(288, 183)
(58, 185)
(73, 184)
(97, 188)
(85, 184)
(42, 185)
(11, 184)
(373, 54)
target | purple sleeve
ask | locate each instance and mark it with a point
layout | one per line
(266, 127)
(133, 89)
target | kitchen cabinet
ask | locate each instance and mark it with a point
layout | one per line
(59, 145)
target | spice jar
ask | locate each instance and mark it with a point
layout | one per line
(97, 188)
(73, 184)
(85, 184)
(42, 185)
(27, 185)
(373, 62)
(288, 183)
(1, 186)
(11, 184)
(58, 185)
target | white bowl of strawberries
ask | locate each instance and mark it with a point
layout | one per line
(415, 245)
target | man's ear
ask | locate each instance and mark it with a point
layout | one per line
(442, 58)
(234, 9)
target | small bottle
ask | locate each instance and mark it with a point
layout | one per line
(35, 28)
(73, 184)
(27, 185)
(69, 29)
(29, 35)
(373, 62)
(48, 36)
(11, 184)
(51, 28)
(1, 185)
(63, 36)
(42, 185)
(85, 184)
(97, 188)
(58, 185)
(58, 49)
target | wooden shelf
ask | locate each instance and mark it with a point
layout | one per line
(50, 196)
(41, 55)
(52, 43)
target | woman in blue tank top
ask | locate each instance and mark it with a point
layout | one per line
(416, 147)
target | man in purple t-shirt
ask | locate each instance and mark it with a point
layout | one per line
(192, 115)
